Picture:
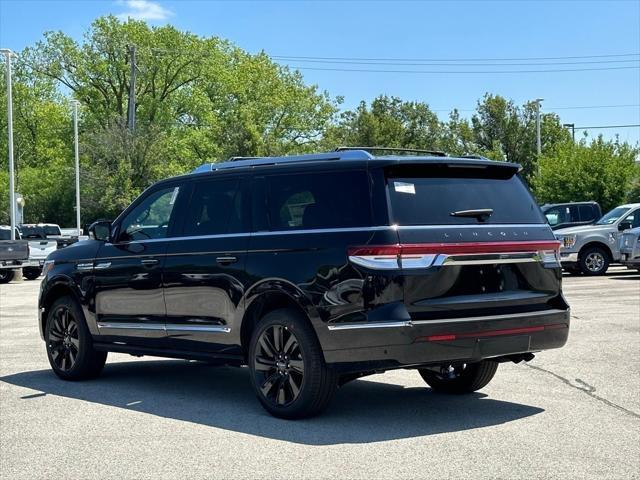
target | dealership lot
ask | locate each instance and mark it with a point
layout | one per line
(570, 413)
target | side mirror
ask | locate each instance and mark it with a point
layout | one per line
(624, 226)
(100, 230)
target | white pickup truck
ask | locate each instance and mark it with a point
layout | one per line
(39, 248)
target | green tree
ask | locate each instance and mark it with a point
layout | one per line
(598, 170)
(500, 125)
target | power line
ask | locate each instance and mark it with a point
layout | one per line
(389, 59)
(440, 64)
(608, 126)
(452, 72)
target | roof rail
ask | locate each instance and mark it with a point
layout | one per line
(435, 153)
(238, 162)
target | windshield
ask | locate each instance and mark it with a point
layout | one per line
(5, 234)
(33, 232)
(613, 216)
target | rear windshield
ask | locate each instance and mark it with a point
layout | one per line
(431, 199)
(33, 232)
(5, 234)
(52, 230)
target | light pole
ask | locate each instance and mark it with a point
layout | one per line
(538, 139)
(75, 138)
(12, 189)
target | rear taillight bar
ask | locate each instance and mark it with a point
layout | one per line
(447, 337)
(413, 255)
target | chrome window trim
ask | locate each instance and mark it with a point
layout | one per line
(478, 226)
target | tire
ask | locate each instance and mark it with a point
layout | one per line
(285, 356)
(594, 261)
(31, 273)
(69, 343)
(460, 378)
(6, 275)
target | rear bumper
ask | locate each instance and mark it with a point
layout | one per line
(34, 262)
(382, 346)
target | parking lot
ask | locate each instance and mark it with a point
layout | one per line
(570, 413)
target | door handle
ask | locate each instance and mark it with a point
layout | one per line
(149, 261)
(226, 260)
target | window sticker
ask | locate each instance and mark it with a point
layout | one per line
(174, 195)
(403, 187)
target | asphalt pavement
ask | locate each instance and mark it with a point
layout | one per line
(570, 413)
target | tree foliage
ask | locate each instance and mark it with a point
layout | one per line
(604, 171)
(202, 99)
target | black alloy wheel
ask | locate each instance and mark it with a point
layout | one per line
(69, 343)
(288, 371)
(279, 365)
(64, 339)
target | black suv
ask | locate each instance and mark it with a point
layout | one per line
(315, 270)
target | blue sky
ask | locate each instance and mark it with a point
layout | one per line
(405, 30)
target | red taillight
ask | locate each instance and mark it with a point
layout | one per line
(489, 333)
(422, 255)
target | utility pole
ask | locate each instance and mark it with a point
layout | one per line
(12, 191)
(538, 139)
(75, 137)
(131, 112)
(572, 126)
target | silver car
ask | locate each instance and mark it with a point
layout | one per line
(630, 248)
(590, 249)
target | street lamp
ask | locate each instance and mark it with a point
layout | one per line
(77, 158)
(12, 189)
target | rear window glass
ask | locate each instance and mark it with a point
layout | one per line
(318, 200)
(52, 230)
(5, 234)
(431, 200)
(33, 232)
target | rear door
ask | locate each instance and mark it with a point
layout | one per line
(473, 242)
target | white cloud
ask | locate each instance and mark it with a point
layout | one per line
(144, 10)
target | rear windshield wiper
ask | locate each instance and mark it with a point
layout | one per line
(482, 214)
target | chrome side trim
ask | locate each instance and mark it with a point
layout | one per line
(84, 266)
(261, 234)
(412, 323)
(507, 316)
(197, 328)
(131, 326)
(169, 327)
(103, 266)
(357, 326)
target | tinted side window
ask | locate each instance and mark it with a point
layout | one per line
(150, 218)
(215, 208)
(633, 218)
(318, 200)
(587, 213)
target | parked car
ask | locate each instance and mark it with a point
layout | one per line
(630, 248)
(39, 249)
(315, 270)
(13, 253)
(54, 232)
(564, 215)
(591, 249)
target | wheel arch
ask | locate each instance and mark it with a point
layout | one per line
(59, 289)
(599, 244)
(263, 303)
